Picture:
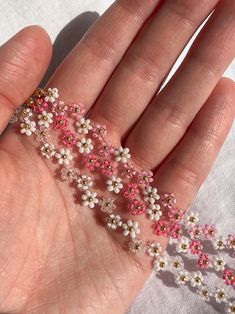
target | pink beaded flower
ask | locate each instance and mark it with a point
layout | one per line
(105, 149)
(69, 174)
(145, 177)
(107, 168)
(209, 231)
(136, 207)
(60, 122)
(168, 200)
(128, 171)
(204, 261)
(76, 110)
(59, 108)
(175, 214)
(162, 228)
(40, 105)
(230, 241)
(196, 247)
(176, 231)
(131, 191)
(69, 139)
(91, 162)
(99, 131)
(229, 277)
(195, 232)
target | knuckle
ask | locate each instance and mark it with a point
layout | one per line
(144, 68)
(185, 173)
(184, 10)
(135, 8)
(203, 65)
(103, 49)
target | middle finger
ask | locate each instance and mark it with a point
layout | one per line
(148, 61)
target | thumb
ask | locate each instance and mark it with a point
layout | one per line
(23, 62)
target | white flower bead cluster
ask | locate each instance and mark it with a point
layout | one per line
(122, 155)
(151, 195)
(153, 211)
(83, 126)
(52, 95)
(114, 184)
(191, 219)
(45, 119)
(27, 127)
(90, 199)
(85, 146)
(131, 228)
(182, 246)
(219, 243)
(64, 156)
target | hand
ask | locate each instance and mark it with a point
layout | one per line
(54, 256)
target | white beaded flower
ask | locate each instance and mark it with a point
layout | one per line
(182, 245)
(107, 205)
(220, 295)
(47, 150)
(114, 184)
(154, 212)
(52, 95)
(85, 146)
(64, 156)
(90, 199)
(83, 126)
(131, 228)
(219, 243)
(196, 279)
(153, 249)
(122, 155)
(84, 182)
(160, 263)
(114, 221)
(177, 263)
(151, 195)
(182, 277)
(230, 307)
(205, 293)
(137, 246)
(45, 119)
(191, 219)
(25, 113)
(218, 263)
(28, 127)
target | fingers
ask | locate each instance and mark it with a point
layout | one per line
(23, 62)
(84, 73)
(148, 61)
(167, 118)
(189, 164)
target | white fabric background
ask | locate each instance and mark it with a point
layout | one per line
(216, 199)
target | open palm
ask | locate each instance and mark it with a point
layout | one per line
(55, 255)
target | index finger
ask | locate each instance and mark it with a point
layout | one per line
(86, 70)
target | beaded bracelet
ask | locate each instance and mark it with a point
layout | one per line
(86, 157)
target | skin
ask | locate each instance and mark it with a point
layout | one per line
(55, 255)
